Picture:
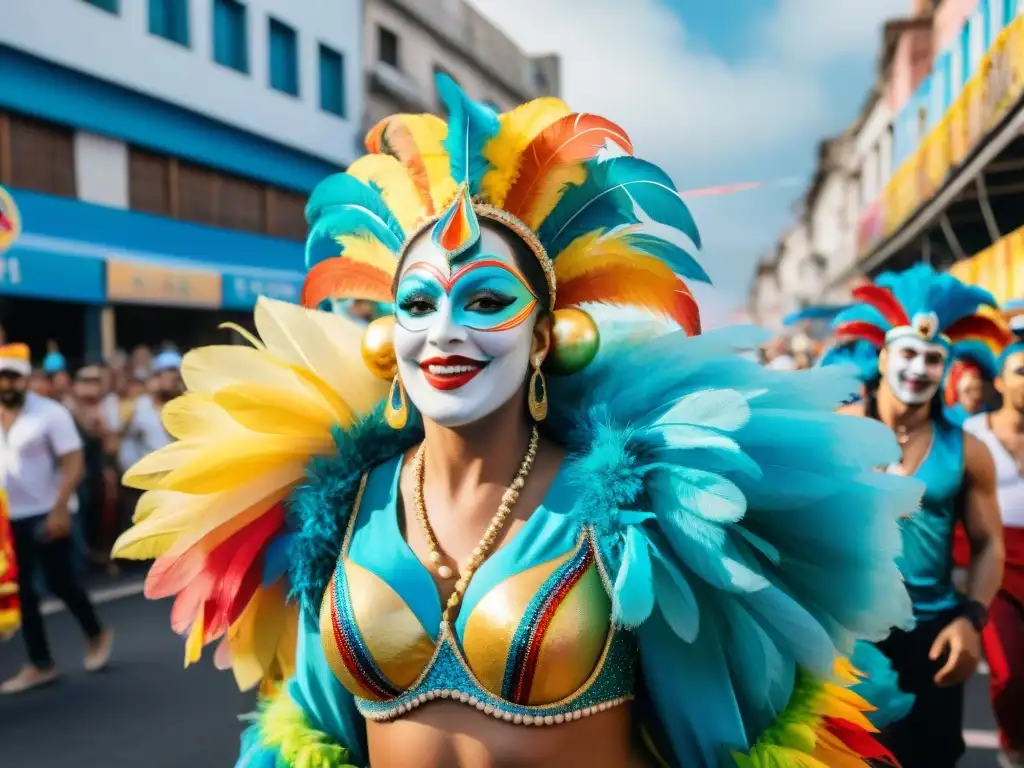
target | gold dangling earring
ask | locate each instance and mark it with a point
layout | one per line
(538, 397)
(396, 412)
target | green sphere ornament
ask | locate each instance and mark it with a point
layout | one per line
(574, 342)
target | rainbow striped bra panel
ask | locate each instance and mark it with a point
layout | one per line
(538, 648)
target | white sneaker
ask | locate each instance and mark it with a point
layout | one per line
(97, 655)
(28, 678)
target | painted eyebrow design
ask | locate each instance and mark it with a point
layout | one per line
(448, 282)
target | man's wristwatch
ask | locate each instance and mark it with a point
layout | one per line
(976, 613)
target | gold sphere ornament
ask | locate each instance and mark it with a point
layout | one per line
(379, 347)
(574, 342)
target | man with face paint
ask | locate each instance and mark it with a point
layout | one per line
(520, 531)
(40, 468)
(1003, 638)
(917, 319)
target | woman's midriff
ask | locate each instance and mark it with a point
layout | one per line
(448, 735)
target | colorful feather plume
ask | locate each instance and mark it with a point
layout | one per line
(505, 151)
(417, 142)
(470, 127)
(607, 270)
(212, 514)
(895, 299)
(554, 160)
(610, 197)
(458, 229)
(389, 178)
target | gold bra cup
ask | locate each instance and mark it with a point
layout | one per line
(537, 637)
(373, 641)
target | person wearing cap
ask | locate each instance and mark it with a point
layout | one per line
(40, 468)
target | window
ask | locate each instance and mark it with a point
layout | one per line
(42, 157)
(149, 182)
(230, 41)
(286, 215)
(387, 47)
(241, 204)
(332, 82)
(284, 58)
(110, 6)
(169, 19)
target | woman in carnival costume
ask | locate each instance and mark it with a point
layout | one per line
(493, 514)
(920, 321)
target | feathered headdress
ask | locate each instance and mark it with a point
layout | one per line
(542, 170)
(1015, 321)
(924, 303)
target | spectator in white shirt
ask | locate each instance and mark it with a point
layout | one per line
(40, 468)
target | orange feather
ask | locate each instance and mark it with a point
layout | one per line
(417, 143)
(656, 289)
(572, 140)
(341, 278)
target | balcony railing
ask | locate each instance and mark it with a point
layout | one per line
(984, 101)
(998, 269)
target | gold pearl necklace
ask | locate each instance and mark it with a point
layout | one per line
(508, 500)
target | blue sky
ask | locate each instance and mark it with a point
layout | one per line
(715, 91)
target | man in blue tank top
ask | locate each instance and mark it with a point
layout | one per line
(920, 321)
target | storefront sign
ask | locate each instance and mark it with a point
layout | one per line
(241, 291)
(141, 283)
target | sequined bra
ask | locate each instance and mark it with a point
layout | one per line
(532, 644)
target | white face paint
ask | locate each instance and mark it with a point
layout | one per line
(914, 369)
(464, 335)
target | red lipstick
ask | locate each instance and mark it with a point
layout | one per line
(448, 373)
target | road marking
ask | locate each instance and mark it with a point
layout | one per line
(981, 739)
(99, 596)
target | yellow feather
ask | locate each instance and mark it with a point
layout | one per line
(504, 152)
(271, 411)
(159, 501)
(593, 252)
(396, 187)
(368, 250)
(195, 416)
(329, 348)
(194, 644)
(429, 133)
(554, 186)
(241, 332)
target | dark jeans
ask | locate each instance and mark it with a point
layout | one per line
(54, 558)
(931, 736)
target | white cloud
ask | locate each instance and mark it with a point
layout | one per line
(634, 63)
(823, 30)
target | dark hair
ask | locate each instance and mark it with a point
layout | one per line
(524, 257)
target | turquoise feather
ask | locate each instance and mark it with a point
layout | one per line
(470, 126)
(633, 596)
(609, 197)
(681, 262)
(343, 205)
(880, 686)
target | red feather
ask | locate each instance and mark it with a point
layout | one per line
(883, 300)
(861, 330)
(574, 138)
(982, 328)
(227, 578)
(341, 278)
(635, 288)
(860, 741)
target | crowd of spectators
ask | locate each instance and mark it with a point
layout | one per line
(116, 406)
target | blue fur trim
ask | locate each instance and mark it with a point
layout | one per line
(318, 509)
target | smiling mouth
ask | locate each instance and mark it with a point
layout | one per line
(448, 373)
(915, 383)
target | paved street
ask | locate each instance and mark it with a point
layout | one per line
(146, 711)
